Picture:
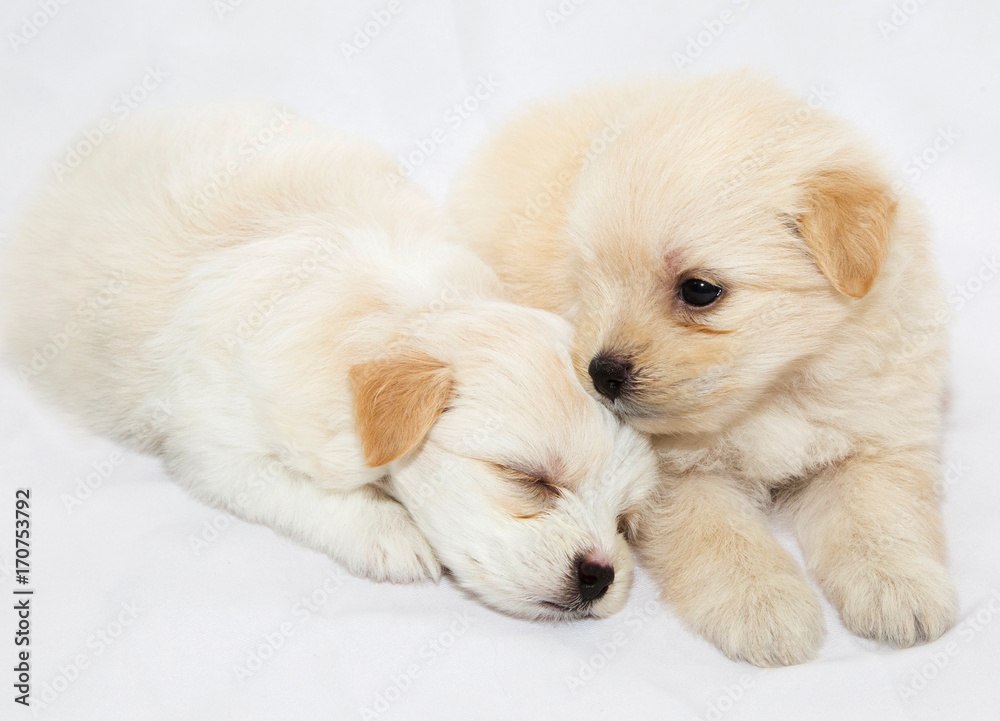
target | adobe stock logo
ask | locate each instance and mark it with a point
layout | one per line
(942, 653)
(31, 25)
(562, 12)
(901, 14)
(452, 119)
(365, 34)
(920, 162)
(121, 108)
(712, 31)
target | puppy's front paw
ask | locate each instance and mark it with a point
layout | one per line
(901, 606)
(394, 550)
(775, 621)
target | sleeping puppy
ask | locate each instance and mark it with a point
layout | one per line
(258, 301)
(745, 286)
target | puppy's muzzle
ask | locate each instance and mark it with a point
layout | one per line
(610, 375)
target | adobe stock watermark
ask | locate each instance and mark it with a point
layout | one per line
(86, 312)
(919, 163)
(943, 653)
(101, 470)
(534, 206)
(964, 292)
(274, 640)
(366, 33)
(712, 31)
(899, 15)
(605, 652)
(819, 96)
(31, 25)
(121, 108)
(452, 119)
(246, 152)
(256, 482)
(148, 428)
(562, 12)
(428, 655)
(727, 700)
(98, 643)
(225, 7)
(321, 253)
(443, 473)
(958, 297)
(954, 471)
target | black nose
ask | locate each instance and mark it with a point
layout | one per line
(609, 375)
(593, 578)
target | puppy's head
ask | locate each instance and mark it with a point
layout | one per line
(718, 243)
(522, 483)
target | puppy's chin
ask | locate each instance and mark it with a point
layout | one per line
(542, 604)
(551, 611)
(653, 424)
(705, 416)
(545, 610)
(652, 420)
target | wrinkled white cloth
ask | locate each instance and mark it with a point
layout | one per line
(151, 606)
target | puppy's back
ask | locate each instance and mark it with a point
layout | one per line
(97, 267)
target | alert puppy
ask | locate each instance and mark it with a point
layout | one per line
(259, 302)
(745, 286)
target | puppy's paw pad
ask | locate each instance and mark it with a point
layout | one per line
(899, 608)
(778, 623)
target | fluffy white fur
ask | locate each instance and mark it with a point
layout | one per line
(812, 384)
(261, 302)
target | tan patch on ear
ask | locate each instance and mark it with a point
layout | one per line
(847, 228)
(396, 401)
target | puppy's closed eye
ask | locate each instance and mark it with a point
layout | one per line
(628, 525)
(527, 494)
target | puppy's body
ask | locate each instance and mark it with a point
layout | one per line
(247, 295)
(814, 379)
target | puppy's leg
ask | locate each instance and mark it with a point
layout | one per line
(871, 532)
(710, 546)
(364, 529)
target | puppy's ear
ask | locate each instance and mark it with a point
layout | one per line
(846, 223)
(396, 401)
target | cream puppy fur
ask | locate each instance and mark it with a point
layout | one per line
(257, 300)
(745, 286)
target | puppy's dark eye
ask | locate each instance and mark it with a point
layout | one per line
(698, 292)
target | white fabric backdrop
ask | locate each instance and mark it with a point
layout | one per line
(131, 621)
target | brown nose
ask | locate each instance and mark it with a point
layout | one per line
(593, 578)
(609, 375)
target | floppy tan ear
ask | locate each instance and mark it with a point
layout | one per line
(847, 222)
(396, 401)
